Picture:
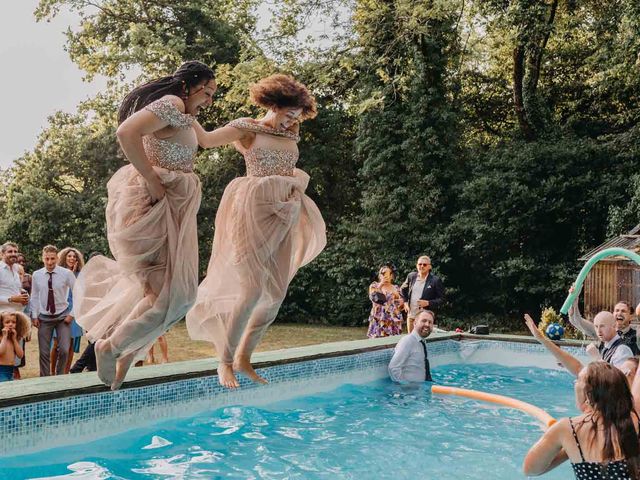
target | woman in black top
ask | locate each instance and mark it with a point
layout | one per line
(603, 442)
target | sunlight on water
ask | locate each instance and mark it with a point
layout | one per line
(373, 431)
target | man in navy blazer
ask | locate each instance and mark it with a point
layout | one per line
(421, 290)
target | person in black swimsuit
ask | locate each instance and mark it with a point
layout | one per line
(603, 442)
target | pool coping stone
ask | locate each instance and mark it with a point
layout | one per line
(48, 388)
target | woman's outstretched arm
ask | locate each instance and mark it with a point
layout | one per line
(218, 137)
(569, 362)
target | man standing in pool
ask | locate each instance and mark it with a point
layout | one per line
(410, 361)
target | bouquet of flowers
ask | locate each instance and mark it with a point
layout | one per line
(551, 324)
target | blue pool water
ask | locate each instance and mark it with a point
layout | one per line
(372, 431)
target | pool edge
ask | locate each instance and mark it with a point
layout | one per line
(35, 390)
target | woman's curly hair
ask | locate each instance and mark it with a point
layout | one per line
(283, 91)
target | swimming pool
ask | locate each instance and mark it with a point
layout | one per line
(361, 427)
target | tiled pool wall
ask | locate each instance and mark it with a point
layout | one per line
(62, 421)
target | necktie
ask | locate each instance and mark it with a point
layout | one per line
(427, 368)
(51, 302)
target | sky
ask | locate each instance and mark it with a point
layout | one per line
(37, 76)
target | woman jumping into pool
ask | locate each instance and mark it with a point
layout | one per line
(266, 228)
(126, 304)
(601, 443)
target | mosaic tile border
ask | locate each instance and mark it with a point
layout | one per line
(34, 426)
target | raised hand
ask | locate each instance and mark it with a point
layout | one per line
(593, 351)
(531, 325)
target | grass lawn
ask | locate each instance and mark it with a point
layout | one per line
(181, 347)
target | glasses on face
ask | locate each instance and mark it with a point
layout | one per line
(423, 264)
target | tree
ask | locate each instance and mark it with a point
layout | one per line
(57, 192)
(153, 36)
(405, 144)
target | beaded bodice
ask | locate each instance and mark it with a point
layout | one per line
(179, 151)
(263, 160)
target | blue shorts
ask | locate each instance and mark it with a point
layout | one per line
(6, 373)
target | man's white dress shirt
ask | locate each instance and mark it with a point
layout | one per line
(621, 354)
(10, 286)
(62, 281)
(407, 363)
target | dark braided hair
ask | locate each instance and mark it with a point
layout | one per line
(189, 75)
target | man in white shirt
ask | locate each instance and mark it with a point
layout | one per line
(11, 296)
(612, 348)
(50, 310)
(410, 361)
(622, 315)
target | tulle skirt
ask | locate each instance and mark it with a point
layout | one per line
(153, 281)
(266, 229)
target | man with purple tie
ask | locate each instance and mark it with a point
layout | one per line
(50, 310)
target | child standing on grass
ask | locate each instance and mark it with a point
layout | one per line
(15, 327)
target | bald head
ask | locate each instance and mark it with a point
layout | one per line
(605, 325)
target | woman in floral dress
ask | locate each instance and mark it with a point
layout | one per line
(385, 318)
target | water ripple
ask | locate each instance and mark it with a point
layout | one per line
(374, 431)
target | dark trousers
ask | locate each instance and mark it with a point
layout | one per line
(49, 323)
(87, 360)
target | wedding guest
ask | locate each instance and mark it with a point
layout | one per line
(14, 326)
(601, 442)
(410, 361)
(124, 304)
(385, 318)
(12, 296)
(421, 290)
(266, 228)
(622, 315)
(628, 367)
(26, 277)
(50, 309)
(71, 259)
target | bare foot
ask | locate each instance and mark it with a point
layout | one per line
(122, 367)
(226, 377)
(105, 361)
(243, 365)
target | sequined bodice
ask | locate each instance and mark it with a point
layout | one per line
(179, 151)
(263, 161)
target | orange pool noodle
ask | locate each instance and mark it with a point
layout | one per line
(546, 419)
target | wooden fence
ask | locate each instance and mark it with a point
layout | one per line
(610, 282)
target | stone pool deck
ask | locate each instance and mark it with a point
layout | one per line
(47, 388)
